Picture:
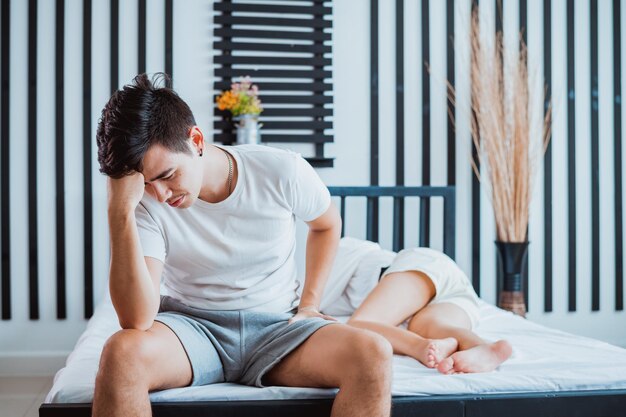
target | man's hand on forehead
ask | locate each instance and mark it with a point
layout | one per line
(125, 193)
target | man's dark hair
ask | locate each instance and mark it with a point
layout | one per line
(138, 116)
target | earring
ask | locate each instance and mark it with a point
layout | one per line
(200, 153)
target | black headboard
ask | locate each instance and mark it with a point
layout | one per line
(373, 193)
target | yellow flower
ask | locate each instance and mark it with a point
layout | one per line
(242, 98)
(227, 100)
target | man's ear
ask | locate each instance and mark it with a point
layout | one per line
(197, 138)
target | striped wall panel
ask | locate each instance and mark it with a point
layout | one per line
(285, 48)
(64, 19)
(411, 48)
(501, 21)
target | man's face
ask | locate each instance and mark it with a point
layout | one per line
(172, 177)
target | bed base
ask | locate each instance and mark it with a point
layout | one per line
(605, 403)
(596, 403)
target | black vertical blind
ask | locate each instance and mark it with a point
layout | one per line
(115, 44)
(571, 158)
(5, 242)
(617, 154)
(450, 65)
(169, 38)
(87, 154)
(547, 180)
(374, 163)
(398, 204)
(523, 18)
(141, 36)
(60, 158)
(595, 177)
(33, 255)
(425, 202)
(475, 206)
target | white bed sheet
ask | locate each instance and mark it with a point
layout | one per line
(543, 359)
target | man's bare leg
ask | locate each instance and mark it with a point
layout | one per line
(397, 297)
(474, 355)
(134, 362)
(357, 361)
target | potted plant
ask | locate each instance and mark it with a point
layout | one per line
(242, 100)
(508, 149)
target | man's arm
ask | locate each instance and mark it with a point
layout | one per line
(133, 280)
(321, 248)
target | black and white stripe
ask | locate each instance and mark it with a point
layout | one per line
(426, 106)
(450, 65)
(60, 159)
(5, 141)
(115, 44)
(87, 168)
(169, 38)
(33, 255)
(617, 140)
(37, 278)
(373, 209)
(571, 157)
(398, 204)
(141, 37)
(476, 234)
(595, 180)
(547, 179)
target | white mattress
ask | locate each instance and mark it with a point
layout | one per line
(543, 359)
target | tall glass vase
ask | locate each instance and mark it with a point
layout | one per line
(248, 130)
(511, 297)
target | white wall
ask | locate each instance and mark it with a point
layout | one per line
(41, 345)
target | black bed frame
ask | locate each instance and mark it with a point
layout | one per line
(595, 403)
(610, 403)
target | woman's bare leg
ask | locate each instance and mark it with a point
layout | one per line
(474, 355)
(397, 297)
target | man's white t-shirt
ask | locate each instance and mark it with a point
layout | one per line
(237, 254)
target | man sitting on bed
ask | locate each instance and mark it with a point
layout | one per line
(217, 226)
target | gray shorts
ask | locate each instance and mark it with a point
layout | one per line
(234, 346)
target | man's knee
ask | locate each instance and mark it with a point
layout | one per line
(125, 353)
(370, 354)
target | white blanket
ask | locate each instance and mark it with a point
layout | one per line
(543, 359)
(354, 274)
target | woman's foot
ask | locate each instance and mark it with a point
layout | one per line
(432, 351)
(481, 358)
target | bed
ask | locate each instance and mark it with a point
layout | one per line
(551, 373)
